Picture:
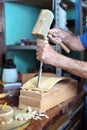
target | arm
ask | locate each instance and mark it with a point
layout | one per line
(73, 42)
(48, 55)
(76, 67)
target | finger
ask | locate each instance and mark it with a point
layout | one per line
(37, 57)
(38, 44)
(37, 49)
(50, 36)
(38, 54)
(58, 40)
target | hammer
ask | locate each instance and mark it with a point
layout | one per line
(40, 32)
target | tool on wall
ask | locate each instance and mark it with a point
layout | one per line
(40, 32)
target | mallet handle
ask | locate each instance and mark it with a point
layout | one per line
(65, 47)
(62, 45)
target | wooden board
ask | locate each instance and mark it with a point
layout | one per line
(14, 124)
(58, 89)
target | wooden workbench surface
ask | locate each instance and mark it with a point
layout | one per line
(57, 115)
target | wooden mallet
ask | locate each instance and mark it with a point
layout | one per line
(42, 26)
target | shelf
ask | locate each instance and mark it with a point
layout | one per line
(20, 47)
(24, 47)
(69, 3)
(38, 3)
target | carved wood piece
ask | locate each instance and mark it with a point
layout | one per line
(59, 89)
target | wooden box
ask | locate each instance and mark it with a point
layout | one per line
(41, 101)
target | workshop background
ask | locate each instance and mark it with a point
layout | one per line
(17, 19)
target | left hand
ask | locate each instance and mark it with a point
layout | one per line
(45, 53)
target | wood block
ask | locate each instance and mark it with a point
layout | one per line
(42, 101)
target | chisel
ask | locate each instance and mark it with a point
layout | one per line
(40, 74)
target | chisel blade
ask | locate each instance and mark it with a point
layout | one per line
(40, 74)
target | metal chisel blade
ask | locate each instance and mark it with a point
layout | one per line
(39, 75)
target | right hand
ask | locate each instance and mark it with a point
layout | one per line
(57, 35)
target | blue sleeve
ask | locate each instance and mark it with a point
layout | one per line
(83, 39)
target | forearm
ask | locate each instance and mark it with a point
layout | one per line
(73, 42)
(46, 54)
(76, 67)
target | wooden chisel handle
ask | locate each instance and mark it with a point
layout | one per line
(65, 47)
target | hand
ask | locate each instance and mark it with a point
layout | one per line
(45, 53)
(57, 35)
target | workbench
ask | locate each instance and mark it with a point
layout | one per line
(67, 114)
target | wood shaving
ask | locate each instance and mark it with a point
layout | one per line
(2, 95)
(27, 114)
(5, 120)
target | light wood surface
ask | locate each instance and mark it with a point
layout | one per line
(46, 83)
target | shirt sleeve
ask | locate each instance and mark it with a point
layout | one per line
(83, 39)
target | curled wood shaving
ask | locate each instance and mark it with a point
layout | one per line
(38, 90)
(2, 95)
(27, 114)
